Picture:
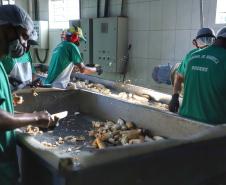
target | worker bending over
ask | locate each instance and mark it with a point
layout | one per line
(21, 70)
(205, 83)
(15, 29)
(65, 56)
(204, 38)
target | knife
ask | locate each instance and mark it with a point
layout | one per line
(58, 116)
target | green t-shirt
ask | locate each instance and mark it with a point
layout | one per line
(65, 53)
(9, 63)
(9, 171)
(185, 61)
(205, 86)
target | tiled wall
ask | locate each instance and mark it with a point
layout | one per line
(160, 31)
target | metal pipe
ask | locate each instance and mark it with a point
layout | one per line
(122, 8)
(201, 14)
(98, 8)
(36, 9)
(106, 8)
(80, 9)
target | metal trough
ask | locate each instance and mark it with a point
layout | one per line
(190, 145)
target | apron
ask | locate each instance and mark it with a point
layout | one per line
(63, 79)
(21, 72)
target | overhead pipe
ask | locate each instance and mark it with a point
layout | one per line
(80, 8)
(106, 8)
(98, 8)
(122, 8)
(201, 14)
(36, 10)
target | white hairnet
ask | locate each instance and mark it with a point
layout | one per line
(222, 33)
(13, 14)
(205, 41)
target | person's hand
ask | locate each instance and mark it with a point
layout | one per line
(54, 123)
(14, 82)
(75, 69)
(174, 103)
(43, 119)
(99, 70)
(36, 82)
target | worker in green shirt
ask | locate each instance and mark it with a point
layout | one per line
(65, 56)
(21, 70)
(15, 29)
(205, 83)
(204, 38)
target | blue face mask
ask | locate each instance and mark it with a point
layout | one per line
(16, 49)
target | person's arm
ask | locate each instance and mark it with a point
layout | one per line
(84, 69)
(75, 70)
(10, 121)
(178, 86)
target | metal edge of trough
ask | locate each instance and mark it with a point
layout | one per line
(55, 157)
(116, 108)
(155, 95)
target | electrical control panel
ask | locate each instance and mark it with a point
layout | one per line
(85, 48)
(110, 42)
(42, 29)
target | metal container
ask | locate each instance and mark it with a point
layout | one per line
(182, 158)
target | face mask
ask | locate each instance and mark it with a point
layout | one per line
(28, 48)
(16, 49)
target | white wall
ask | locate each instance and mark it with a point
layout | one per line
(160, 31)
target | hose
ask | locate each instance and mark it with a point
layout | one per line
(36, 52)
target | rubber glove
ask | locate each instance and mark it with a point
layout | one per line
(174, 103)
(99, 70)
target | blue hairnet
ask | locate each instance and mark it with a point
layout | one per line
(13, 14)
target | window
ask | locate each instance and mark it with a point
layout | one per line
(61, 11)
(221, 12)
(4, 2)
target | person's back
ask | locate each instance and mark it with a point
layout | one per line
(204, 38)
(64, 59)
(205, 86)
(65, 54)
